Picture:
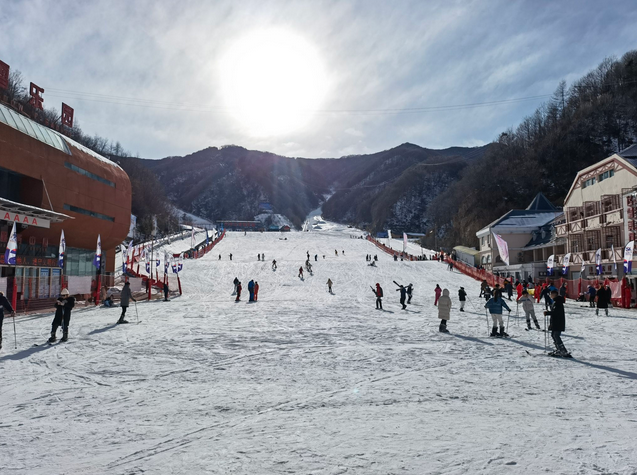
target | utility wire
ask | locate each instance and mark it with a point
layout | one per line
(154, 104)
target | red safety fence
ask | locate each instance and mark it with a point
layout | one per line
(392, 252)
(574, 288)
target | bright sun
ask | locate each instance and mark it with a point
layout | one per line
(273, 81)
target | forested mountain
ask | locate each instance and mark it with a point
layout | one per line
(455, 191)
(582, 124)
(393, 187)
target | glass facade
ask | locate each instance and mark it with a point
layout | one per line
(79, 262)
(92, 176)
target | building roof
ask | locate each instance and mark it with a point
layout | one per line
(541, 203)
(630, 152)
(30, 127)
(44, 134)
(467, 250)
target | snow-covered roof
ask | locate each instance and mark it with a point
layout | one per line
(629, 153)
(44, 134)
(88, 151)
(30, 127)
(525, 219)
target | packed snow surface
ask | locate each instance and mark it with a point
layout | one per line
(308, 382)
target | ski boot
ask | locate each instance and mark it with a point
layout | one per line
(503, 334)
(121, 320)
(494, 331)
(443, 329)
(53, 338)
(65, 336)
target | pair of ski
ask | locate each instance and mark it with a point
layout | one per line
(553, 355)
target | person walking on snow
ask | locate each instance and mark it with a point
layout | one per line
(274, 264)
(230, 256)
(4, 305)
(379, 296)
(462, 296)
(591, 295)
(236, 283)
(495, 306)
(546, 293)
(519, 289)
(437, 291)
(529, 310)
(563, 291)
(603, 299)
(403, 295)
(239, 288)
(251, 290)
(125, 297)
(301, 272)
(483, 286)
(166, 291)
(329, 285)
(509, 288)
(557, 324)
(256, 290)
(444, 310)
(410, 289)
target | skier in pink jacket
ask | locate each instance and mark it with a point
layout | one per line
(437, 291)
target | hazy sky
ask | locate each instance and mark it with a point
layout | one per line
(154, 72)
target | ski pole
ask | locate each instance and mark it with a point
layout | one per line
(508, 316)
(15, 335)
(517, 314)
(136, 314)
(486, 312)
(471, 302)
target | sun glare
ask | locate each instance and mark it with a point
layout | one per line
(273, 81)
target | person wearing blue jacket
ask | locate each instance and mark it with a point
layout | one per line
(251, 290)
(495, 306)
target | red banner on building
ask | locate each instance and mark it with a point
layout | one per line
(67, 115)
(4, 75)
(36, 99)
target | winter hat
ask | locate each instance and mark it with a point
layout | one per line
(65, 292)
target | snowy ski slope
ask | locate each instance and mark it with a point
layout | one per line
(307, 382)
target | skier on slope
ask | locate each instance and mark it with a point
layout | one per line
(403, 295)
(563, 290)
(437, 292)
(301, 272)
(239, 288)
(546, 294)
(508, 287)
(64, 305)
(329, 285)
(558, 324)
(274, 264)
(462, 296)
(4, 305)
(236, 283)
(258, 257)
(315, 257)
(529, 310)
(379, 296)
(230, 256)
(410, 290)
(486, 293)
(256, 290)
(495, 306)
(444, 310)
(125, 297)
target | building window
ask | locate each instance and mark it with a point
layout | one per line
(92, 176)
(589, 182)
(606, 174)
(87, 212)
(482, 241)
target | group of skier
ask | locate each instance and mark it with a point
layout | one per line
(253, 290)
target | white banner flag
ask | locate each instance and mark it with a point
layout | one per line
(389, 237)
(550, 262)
(566, 263)
(628, 257)
(503, 248)
(404, 241)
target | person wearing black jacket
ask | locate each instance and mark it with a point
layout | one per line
(557, 324)
(4, 305)
(603, 299)
(63, 307)
(462, 296)
(403, 295)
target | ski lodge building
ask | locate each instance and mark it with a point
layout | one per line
(530, 236)
(601, 212)
(50, 183)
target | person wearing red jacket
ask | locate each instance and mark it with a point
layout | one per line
(519, 289)
(256, 290)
